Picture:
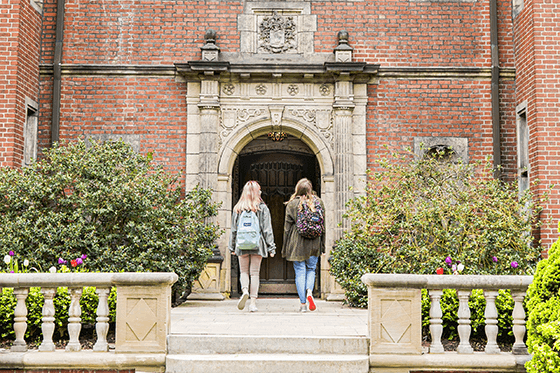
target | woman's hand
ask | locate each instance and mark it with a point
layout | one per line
(272, 255)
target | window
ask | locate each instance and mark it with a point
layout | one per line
(523, 167)
(30, 132)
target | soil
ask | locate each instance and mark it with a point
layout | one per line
(478, 345)
(87, 340)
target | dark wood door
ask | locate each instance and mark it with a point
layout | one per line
(277, 173)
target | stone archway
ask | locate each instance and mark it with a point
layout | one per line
(323, 105)
(226, 160)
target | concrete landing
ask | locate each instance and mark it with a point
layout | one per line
(276, 316)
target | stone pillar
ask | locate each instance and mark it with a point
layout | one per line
(208, 141)
(343, 149)
(143, 318)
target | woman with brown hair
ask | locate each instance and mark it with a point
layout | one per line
(251, 212)
(302, 247)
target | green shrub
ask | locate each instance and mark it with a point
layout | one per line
(428, 216)
(110, 204)
(415, 215)
(543, 322)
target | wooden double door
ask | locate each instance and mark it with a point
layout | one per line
(277, 173)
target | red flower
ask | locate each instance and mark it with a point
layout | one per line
(73, 263)
(439, 271)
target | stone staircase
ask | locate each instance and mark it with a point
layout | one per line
(253, 353)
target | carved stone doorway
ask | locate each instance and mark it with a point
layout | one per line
(277, 167)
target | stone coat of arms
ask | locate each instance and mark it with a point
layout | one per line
(277, 34)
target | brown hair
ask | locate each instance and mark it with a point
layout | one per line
(304, 190)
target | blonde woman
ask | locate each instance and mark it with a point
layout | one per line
(302, 251)
(252, 213)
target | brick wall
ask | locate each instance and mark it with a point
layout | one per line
(392, 33)
(538, 53)
(19, 53)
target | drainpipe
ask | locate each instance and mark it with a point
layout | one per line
(55, 124)
(495, 89)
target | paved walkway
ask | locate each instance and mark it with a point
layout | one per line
(276, 316)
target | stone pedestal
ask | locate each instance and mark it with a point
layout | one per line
(395, 321)
(143, 317)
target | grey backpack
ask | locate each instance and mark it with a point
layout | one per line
(248, 231)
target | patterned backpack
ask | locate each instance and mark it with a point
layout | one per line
(310, 224)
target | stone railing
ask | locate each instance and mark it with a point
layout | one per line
(142, 321)
(395, 323)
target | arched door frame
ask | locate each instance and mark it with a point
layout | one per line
(231, 148)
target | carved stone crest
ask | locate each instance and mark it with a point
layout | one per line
(277, 34)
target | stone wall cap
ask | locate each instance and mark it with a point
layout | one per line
(465, 282)
(16, 280)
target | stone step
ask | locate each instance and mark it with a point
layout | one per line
(179, 344)
(269, 363)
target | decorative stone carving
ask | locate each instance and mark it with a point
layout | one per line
(293, 89)
(228, 89)
(260, 89)
(277, 34)
(321, 119)
(343, 52)
(210, 50)
(325, 89)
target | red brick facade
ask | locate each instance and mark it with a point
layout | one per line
(434, 79)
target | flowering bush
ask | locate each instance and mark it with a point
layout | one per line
(13, 264)
(107, 202)
(428, 217)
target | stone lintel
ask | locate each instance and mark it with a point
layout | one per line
(356, 71)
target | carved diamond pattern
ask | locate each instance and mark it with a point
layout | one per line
(141, 319)
(395, 320)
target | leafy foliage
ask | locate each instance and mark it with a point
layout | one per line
(105, 201)
(428, 216)
(543, 323)
(416, 214)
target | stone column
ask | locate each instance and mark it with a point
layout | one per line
(343, 149)
(208, 142)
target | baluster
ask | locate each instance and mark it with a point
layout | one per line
(518, 315)
(491, 328)
(464, 328)
(20, 320)
(48, 320)
(436, 327)
(102, 326)
(74, 320)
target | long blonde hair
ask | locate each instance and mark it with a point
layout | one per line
(250, 198)
(304, 190)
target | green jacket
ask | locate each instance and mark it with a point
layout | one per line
(266, 244)
(296, 247)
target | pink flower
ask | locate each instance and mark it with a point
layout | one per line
(84, 256)
(11, 253)
(448, 260)
(79, 261)
(439, 271)
(514, 265)
(61, 261)
(494, 259)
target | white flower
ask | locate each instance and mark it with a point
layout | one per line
(460, 267)
(52, 269)
(26, 262)
(7, 259)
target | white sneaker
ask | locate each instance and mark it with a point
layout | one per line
(243, 300)
(253, 306)
(303, 308)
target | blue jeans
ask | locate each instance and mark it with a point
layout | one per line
(305, 276)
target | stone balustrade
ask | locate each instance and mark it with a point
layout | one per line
(395, 322)
(142, 321)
